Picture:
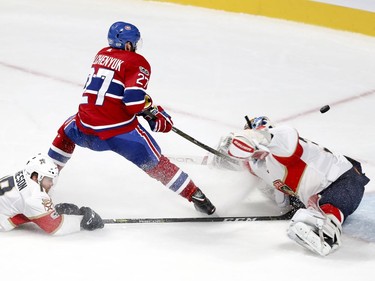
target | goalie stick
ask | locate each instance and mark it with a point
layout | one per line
(286, 216)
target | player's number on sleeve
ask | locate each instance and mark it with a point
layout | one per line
(106, 75)
(142, 80)
(6, 184)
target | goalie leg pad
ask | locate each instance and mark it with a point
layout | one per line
(308, 237)
(315, 231)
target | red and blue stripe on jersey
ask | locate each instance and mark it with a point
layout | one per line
(114, 93)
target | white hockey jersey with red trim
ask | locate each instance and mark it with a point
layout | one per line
(22, 200)
(297, 166)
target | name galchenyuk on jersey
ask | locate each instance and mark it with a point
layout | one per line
(107, 61)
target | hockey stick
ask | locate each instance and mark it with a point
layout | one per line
(286, 216)
(196, 142)
(189, 159)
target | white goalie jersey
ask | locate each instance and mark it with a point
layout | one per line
(293, 165)
(297, 166)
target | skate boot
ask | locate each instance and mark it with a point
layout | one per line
(202, 203)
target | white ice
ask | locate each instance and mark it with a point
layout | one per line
(210, 69)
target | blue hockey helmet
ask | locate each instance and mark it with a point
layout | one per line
(121, 32)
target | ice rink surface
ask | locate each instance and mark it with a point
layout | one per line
(209, 69)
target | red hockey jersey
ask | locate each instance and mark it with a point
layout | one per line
(114, 93)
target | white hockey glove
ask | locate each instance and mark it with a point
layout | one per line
(250, 144)
(220, 162)
(315, 231)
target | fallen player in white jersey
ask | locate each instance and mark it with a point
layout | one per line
(24, 198)
(330, 185)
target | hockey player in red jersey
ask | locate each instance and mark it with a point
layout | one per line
(113, 99)
(24, 198)
(329, 184)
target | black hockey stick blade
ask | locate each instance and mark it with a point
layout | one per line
(286, 216)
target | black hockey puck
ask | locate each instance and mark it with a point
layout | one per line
(324, 109)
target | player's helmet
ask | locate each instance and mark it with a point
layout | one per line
(121, 32)
(44, 166)
(259, 123)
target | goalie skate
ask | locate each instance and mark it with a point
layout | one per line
(307, 236)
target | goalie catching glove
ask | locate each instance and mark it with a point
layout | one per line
(158, 119)
(90, 221)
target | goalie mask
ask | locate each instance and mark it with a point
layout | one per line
(259, 123)
(250, 143)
